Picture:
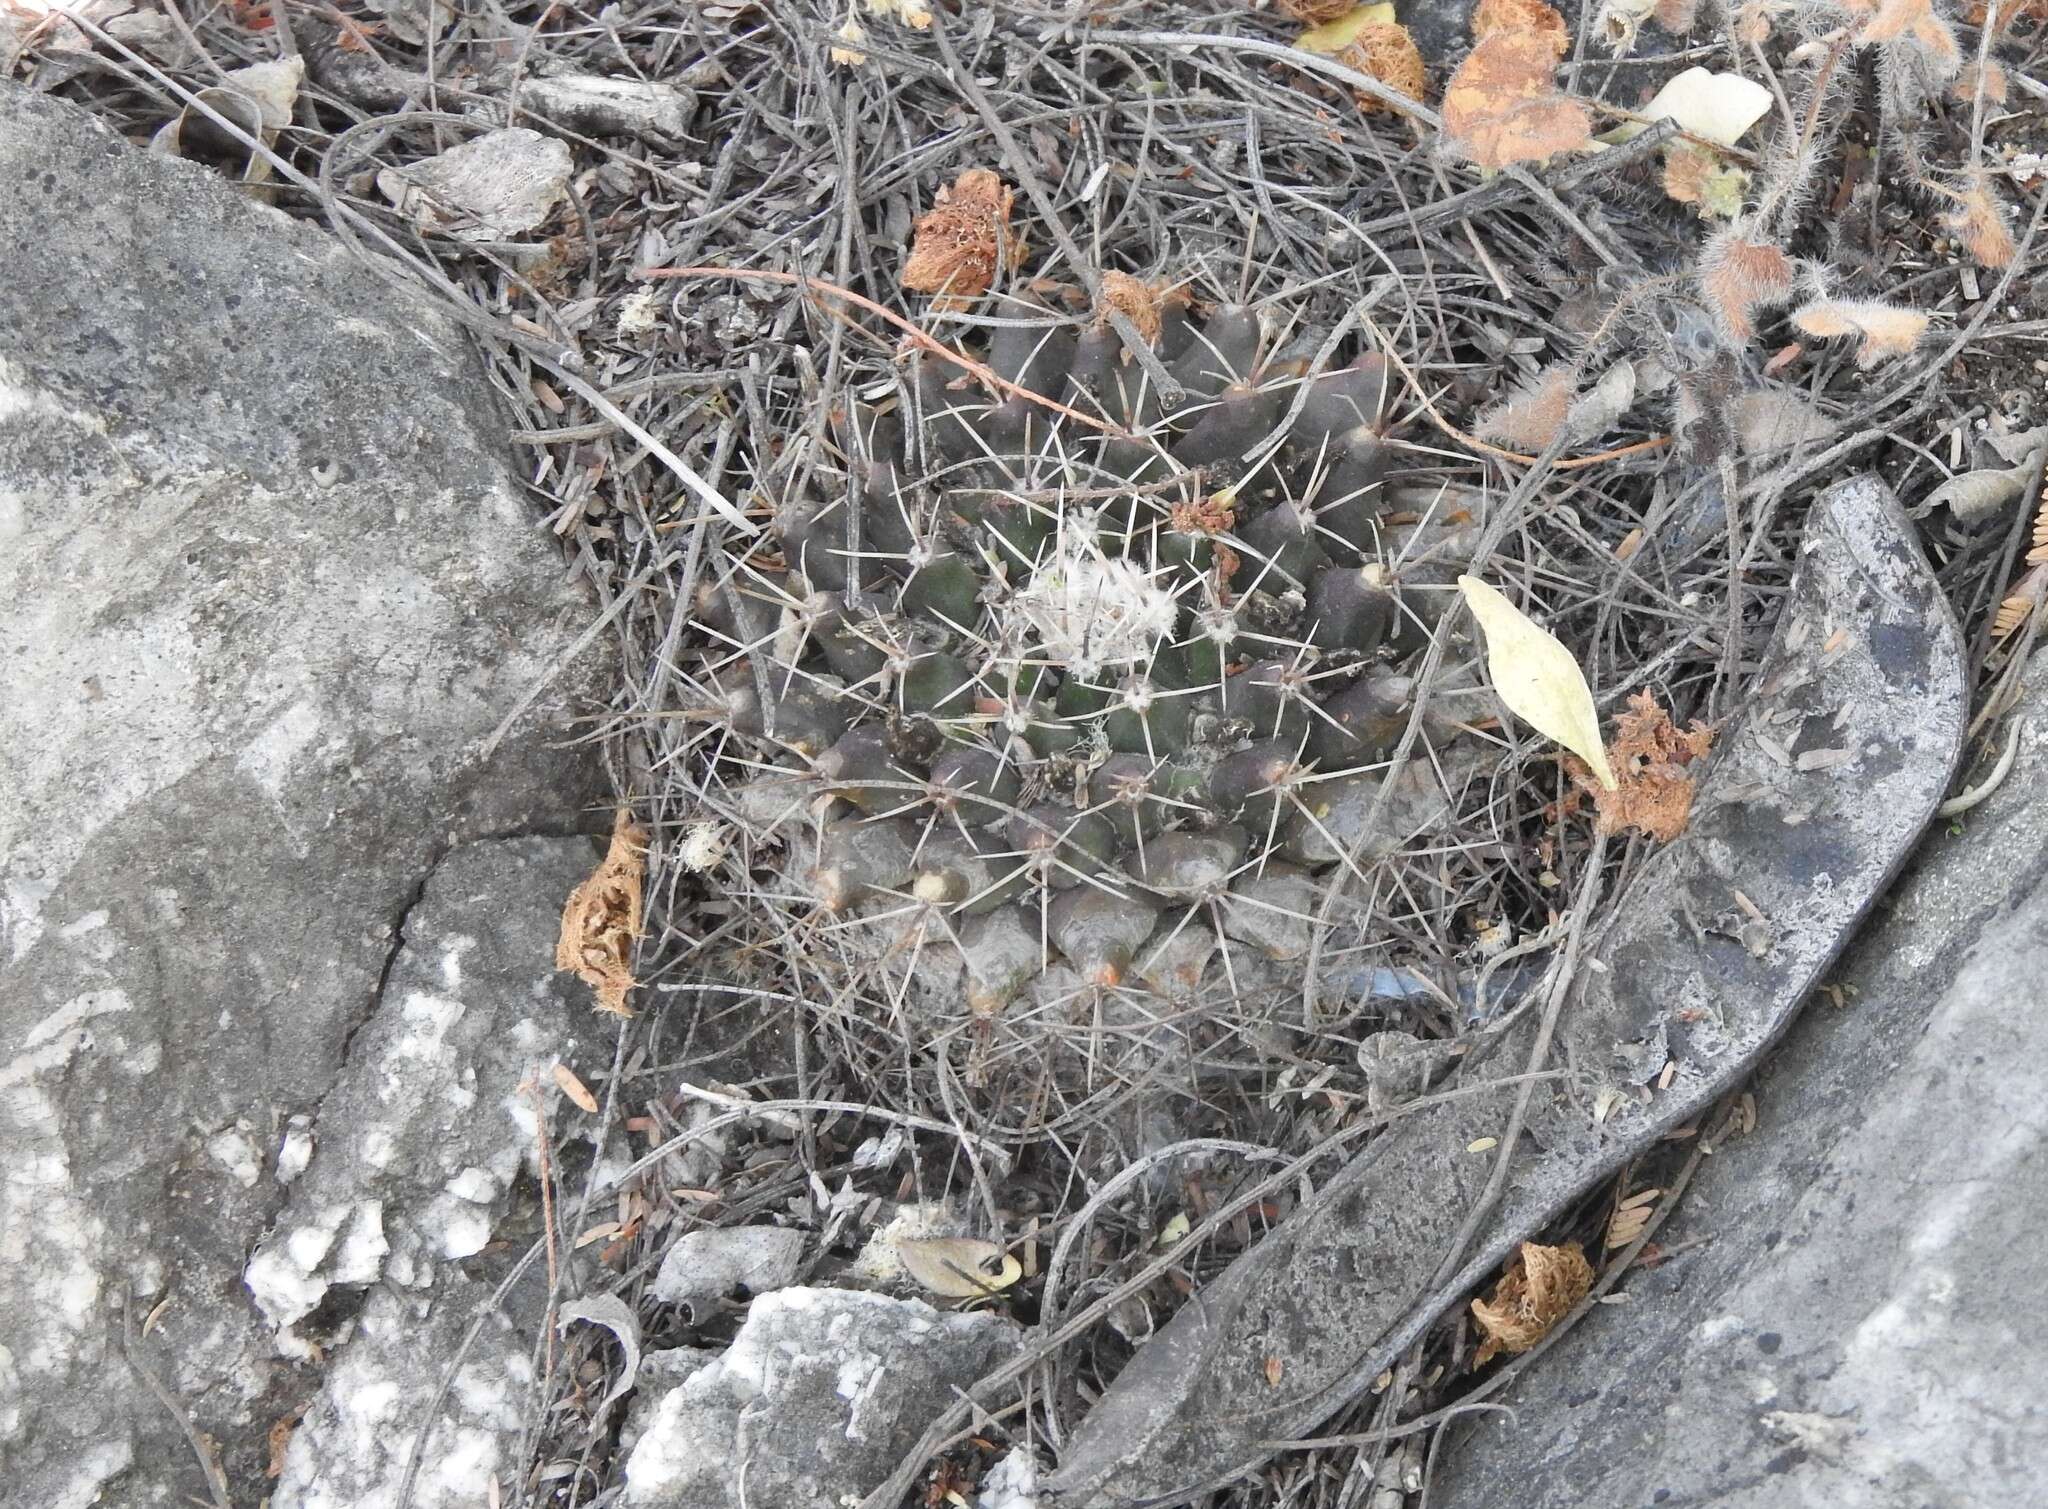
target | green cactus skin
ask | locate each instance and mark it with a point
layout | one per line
(1086, 705)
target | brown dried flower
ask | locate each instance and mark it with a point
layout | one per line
(601, 922)
(958, 243)
(1387, 53)
(1537, 1290)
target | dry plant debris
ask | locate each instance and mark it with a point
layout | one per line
(1538, 1289)
(1334, 24)
(1738, 277)
(1650, 757)
(1537, 677)
(958, 245)
(1142, 303)
(602, 920)
(1529, 418)
(1880, 329)
(1490, 16)
(1503, 106)
(1387, 53)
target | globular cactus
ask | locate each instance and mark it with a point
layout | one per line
(1082, 709)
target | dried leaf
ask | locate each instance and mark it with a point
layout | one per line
(1676, 16)
(850, 38)
(1604, 404)
(958, 1267)
(500, 186)
(1501, 106)
(1915, 23)
(1718, 107)
(1275, 1369)
(1334, 24)
(1537, 677)
(958, 243)
(1519, 15)
(575, 1089)
(1530, 418)
(601, 923)
(258, 100)
(2021, 603)
(1979, 225)
(1738, 277)
(1538, 1289)
(617, 1317)
(915, 14)
(1882, 329)
(1976, 497)
(1770, 419)
(1990, 78)
(1652, 792)
(1389, 54)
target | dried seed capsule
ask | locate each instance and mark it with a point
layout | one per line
(860, 768)
(1099, 932)
(1361, 724)
(857, 859)
(1349, 610)
(977, 786)
(1188, 866)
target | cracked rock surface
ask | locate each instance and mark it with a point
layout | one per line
(1845, 1321)
(819, 1395)
(267, 585)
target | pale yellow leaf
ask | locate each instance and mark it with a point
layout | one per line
(1176, 1228)
(1482, 1145)
(1718, 107)
(1537, 677)
(1334, 36)
(958, 1267)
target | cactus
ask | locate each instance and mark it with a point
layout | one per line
(1082, 710)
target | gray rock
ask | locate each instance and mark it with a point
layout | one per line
(703, 1265)
(353, 1446)
(416, 1147)
(266, 586)
(1846, 1320)
(818, 1396)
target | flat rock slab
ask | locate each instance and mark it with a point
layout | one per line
(1846, 1321)
(267, 584)
(1810, 803)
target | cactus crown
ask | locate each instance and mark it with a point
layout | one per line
(1059, 712)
